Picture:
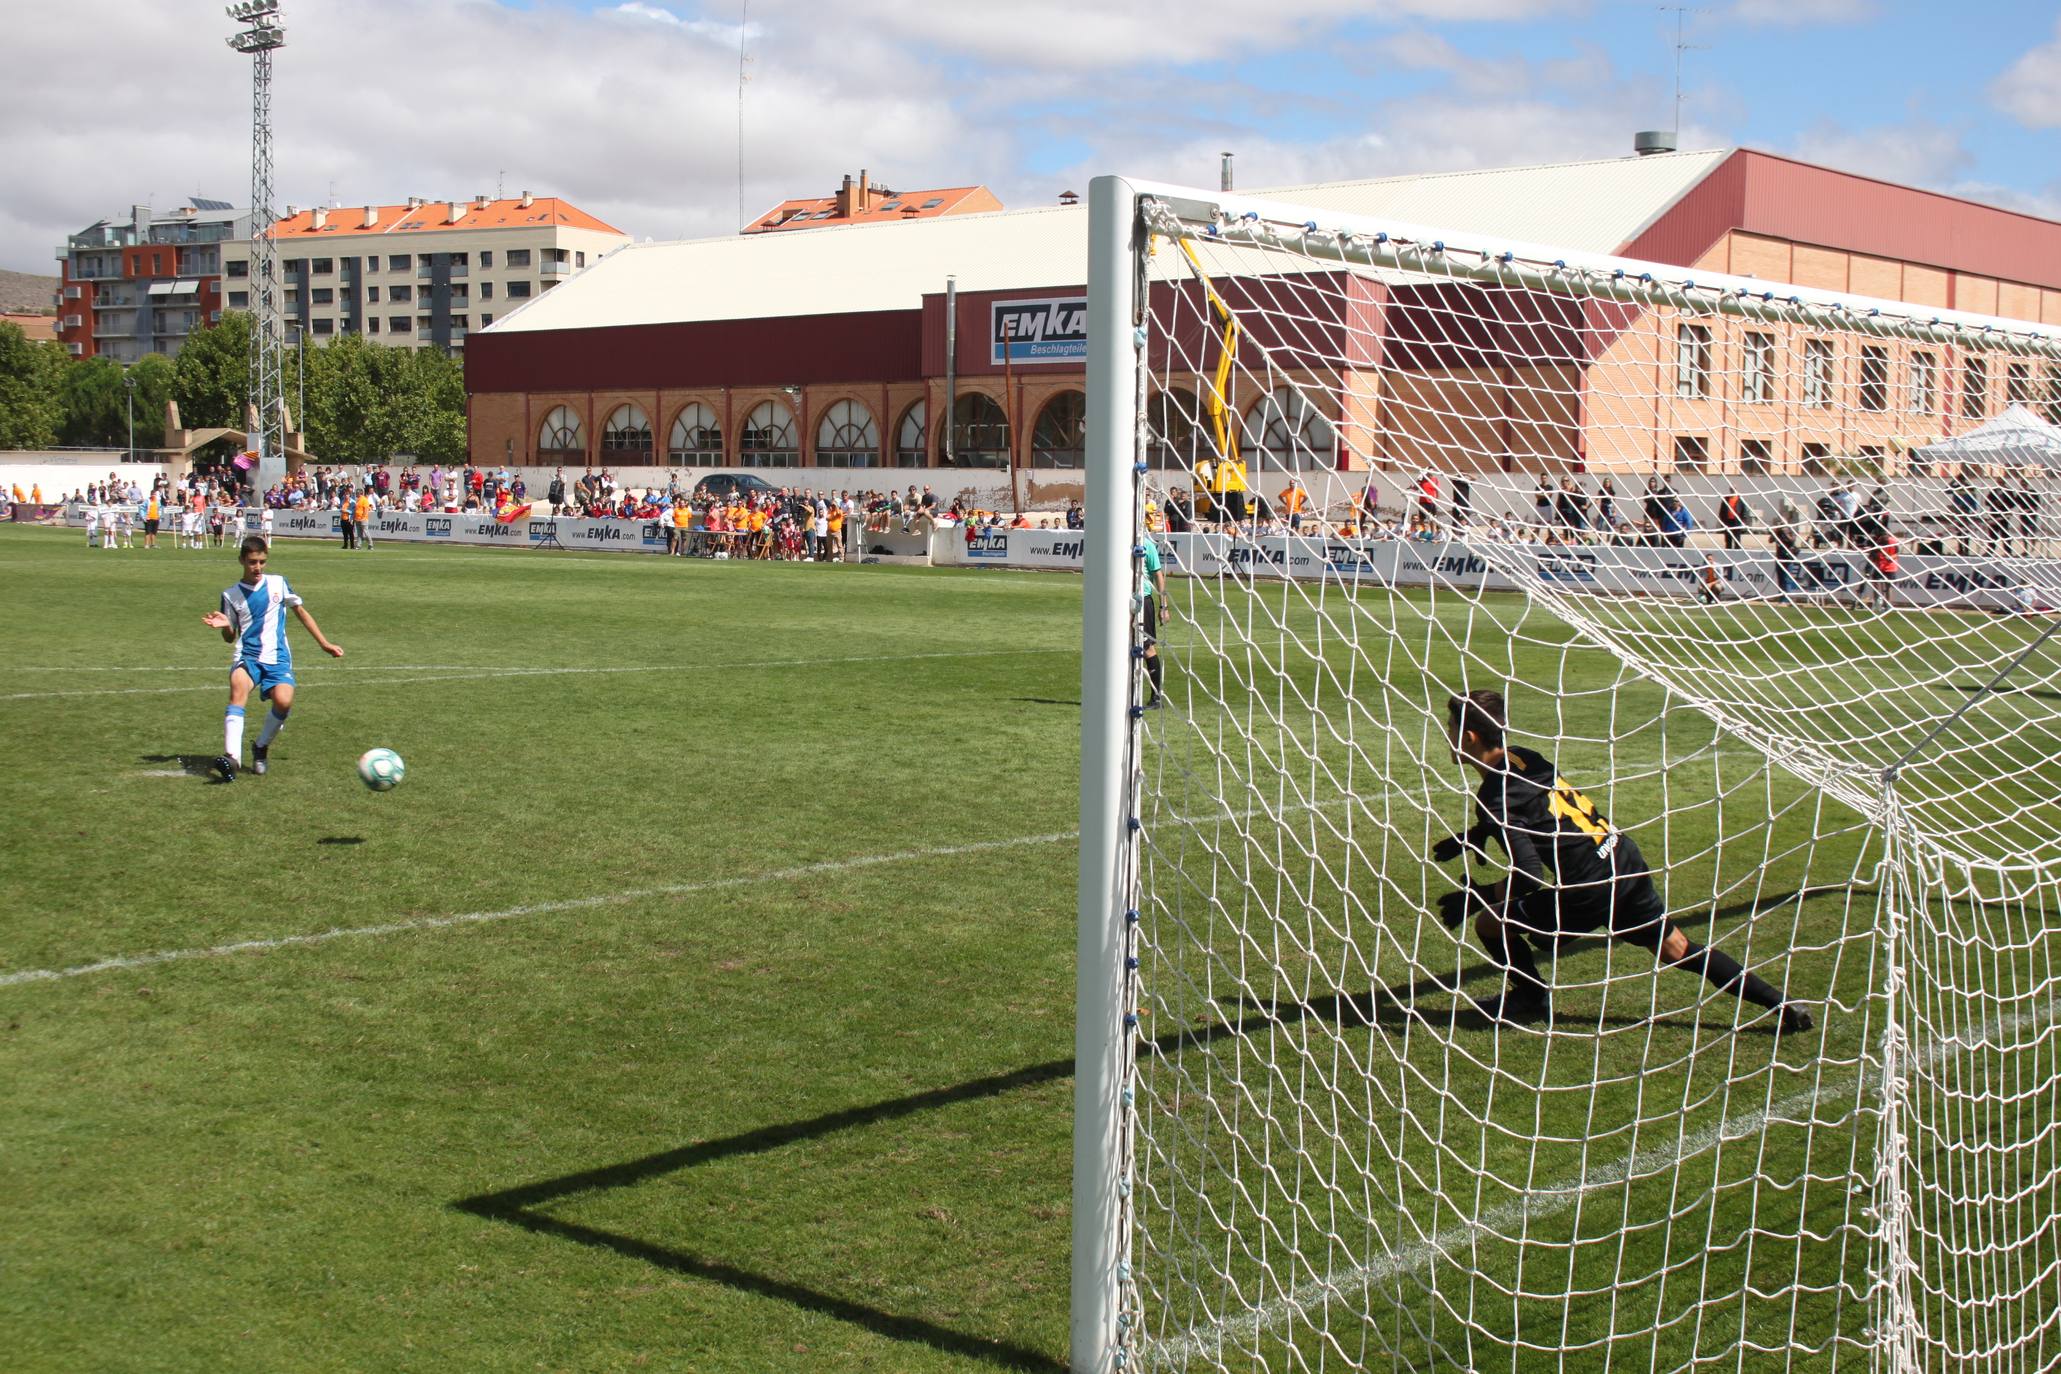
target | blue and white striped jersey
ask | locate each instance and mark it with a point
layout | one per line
(258, 616)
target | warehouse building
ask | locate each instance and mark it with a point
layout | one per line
(835, 350)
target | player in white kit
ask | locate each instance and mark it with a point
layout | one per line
(253, 619)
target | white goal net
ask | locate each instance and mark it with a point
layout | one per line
(1715, 618)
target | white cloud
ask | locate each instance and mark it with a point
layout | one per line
(2030, 89)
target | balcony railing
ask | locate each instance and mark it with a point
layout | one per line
(553, 268)
(114, 302)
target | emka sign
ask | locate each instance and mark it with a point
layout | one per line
(1051, 330)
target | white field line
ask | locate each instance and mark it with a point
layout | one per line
(477, 674)
(470, 918)
(1514, 1217)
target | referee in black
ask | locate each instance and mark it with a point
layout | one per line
(1571, 873)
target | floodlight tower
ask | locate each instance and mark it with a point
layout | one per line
(260, 36)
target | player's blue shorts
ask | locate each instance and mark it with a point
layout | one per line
(265, 675)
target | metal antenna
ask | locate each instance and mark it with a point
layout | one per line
(743, 20)
(261, 36)
(1682, 45)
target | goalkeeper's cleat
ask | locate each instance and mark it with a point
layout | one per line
(1517, 1006)
(257, 758)
(225, 768)
(1796, 1019)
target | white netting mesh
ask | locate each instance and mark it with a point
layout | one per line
(1835, 744)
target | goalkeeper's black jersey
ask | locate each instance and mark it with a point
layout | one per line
(1545, 824)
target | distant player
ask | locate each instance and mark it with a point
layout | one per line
(1571, 873)
(253, 618)
(1710, 583)
(1152, 606)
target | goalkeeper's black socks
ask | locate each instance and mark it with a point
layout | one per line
(1523, 990)
(1725, 973)
(1153, 670)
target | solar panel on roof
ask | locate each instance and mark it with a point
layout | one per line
(200, 204)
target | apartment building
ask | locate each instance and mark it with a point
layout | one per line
(128, 288)
(420, 274)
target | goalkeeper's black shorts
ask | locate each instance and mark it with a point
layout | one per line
(1629, 908)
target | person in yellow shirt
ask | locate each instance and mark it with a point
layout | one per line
(834, 550)
(683, 519)
(361, 515)
(153, 511)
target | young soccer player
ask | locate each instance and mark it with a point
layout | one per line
(1152, 607)
(253, 618)
(1598, 878)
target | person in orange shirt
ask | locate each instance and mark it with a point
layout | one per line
(361, 515)
(683, 519)
(834, 549)
(1294, 500)
(762, 543)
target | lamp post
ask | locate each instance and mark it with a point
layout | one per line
(129, 385)
(300, 405)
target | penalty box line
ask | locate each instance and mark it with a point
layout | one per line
(485, 674)
(1510, 1221)
(471, 918)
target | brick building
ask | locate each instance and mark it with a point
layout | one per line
(142, 285)
(802, 348)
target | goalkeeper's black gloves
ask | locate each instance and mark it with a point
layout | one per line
(1448, 849)
(1455, 906)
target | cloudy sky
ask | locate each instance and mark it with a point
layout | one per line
(631, 109)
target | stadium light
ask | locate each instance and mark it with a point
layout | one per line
(263, 32)
(262, 35)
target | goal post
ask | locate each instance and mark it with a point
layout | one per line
(1739, 1047)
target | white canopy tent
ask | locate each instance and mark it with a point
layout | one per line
(2017, 438)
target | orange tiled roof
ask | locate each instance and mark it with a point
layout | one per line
(35, 326)
(541, 212)
(820, 212)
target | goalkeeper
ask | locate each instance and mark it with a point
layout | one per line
(1571, 873)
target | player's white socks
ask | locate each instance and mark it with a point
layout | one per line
(232, 732)
(275, 721)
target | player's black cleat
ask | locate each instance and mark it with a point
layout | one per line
(1796, 1019)
(1513, 1007)
(225, 768)
(257, 759)
(1158, 703)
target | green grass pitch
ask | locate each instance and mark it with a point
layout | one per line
(702, 1000)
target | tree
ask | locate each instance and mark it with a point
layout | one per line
(211, 378)
(154, 375)
(30, 373)
(94, 404)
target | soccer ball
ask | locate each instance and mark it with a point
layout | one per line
(381, 769)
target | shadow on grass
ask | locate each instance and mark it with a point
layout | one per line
(523, 1205)
(1047, 701)
(192, 765)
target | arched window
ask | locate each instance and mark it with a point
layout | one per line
(1177, 434)
(980, 432)
(696, 440)
(912, 441)
(846, 437)
(627, 432)
(1060, 437)
(562, 435)
(767, 438)
(1288, 430)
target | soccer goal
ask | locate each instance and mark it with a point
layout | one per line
(1730, 1043)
